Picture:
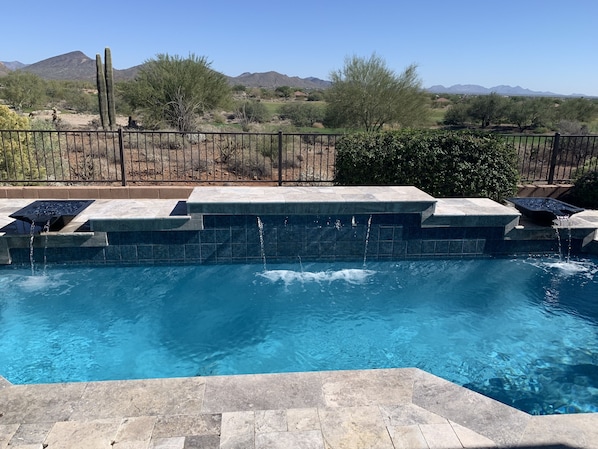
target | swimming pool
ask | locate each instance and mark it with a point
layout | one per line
(523, 331)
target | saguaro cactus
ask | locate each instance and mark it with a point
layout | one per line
(109, 88)
(102, 97)
(105, 83)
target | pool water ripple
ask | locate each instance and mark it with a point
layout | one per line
(523, 331)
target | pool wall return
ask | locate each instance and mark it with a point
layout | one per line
(220, 225)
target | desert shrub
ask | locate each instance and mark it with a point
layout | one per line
(585, 191)
(218, 118)
(572, 127)
(45, 146)
(302, 114)
(168, 140)
(442, 163)
(316, 95)
(591, 164)
(252, 111)
(456, 115)
(17, 155)
(267, 146)
(249, 164)
(227, 148)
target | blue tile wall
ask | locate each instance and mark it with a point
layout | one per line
(236, 239)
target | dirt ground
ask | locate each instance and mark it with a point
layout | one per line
(74, 121)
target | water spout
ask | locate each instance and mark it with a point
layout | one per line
(367, 240)
(45, 231)
(31, 237)
(260, 227)
(559, 223)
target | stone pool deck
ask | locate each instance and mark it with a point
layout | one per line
(371, 409)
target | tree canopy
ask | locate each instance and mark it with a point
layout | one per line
(365, 93)
(565, 115)
(23, 89)
(174, 91)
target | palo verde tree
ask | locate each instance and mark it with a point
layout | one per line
(366, 94)
(173, 91)
(488, 109)
(529, 113)
(23, 90)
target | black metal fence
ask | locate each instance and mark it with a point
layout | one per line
(127, 157)
(554, 159)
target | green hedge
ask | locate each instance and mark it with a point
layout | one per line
(441, 163)
(585, 191)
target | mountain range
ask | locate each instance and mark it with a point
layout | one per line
(474, 89)
(78, 66)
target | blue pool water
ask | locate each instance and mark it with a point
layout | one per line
(524, 332)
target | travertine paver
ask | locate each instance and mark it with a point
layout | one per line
(7, 431)
(135, 432)
(168, 443)
(471, 439)
(347, 388)
(490, 418)
(303, 419)
(440, 436)
(140, 398)
(31, 434)
(262, 392)
(270, 421)
(409, 414)
(95, 434)
(578, 431)
(395, 408)
(407, 437)
(39, 403)
(354, 428)
(237, 431)
(306, 439)
(182, 425)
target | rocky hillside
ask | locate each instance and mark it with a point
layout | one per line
(78, 66)
(75, 66)
(3, 69)
(272, 80)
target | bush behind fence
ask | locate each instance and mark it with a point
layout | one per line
(126, 157)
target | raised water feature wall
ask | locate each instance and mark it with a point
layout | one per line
(220, 225)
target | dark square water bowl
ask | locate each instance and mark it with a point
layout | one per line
(543, 211)
(54, 213)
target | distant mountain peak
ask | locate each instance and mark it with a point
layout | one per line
(474, 89)
(13, 65)
(74, 65)
(272, 80)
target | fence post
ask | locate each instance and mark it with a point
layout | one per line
(280, 157)
(553, 157)
(121, 150)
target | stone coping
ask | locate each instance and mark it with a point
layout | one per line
(310, 200)
(386, 408)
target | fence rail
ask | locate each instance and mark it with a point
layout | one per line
(127, 157)
(554, 159)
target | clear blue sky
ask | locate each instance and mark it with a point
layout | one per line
(544, 45)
